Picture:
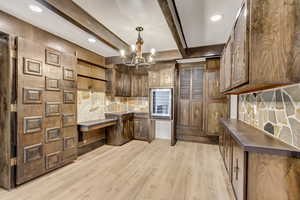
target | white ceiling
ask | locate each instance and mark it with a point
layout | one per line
(198, 29)
(123, 16)
(53, 23)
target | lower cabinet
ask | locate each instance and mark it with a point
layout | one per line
(238, 170)
(123, 131)
(141, 127)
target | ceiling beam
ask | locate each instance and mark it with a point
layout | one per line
(169, 10)
(158, 57)
(205, 51)
(80, 18)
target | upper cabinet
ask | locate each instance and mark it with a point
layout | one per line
(162, 75)
(263, 49)
(123, 81)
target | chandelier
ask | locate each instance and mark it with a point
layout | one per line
(136, 57)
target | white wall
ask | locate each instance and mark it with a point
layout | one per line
(163, 129)
(233, 106)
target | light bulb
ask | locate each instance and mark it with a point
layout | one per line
(153, 51)
(133, 48)
(216, 18)
(122, 52)
(35, 8)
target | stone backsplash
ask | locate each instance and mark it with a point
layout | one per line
(93, 105)
(276, 111)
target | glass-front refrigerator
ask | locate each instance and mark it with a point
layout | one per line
(161, 103)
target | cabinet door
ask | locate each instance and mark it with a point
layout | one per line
(228, 65)
(184, 97)
(213, 84)
(222, 73)
(145, 86)
(240, 47)
(118, 84)
(154, 79)
(141, 129)
(134, 86)
(166, 77)
(215, 111)
(238, 171)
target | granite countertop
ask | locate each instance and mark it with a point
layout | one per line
(126, 113)
(255, 140)
(90, 125)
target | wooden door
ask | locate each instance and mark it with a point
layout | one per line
(190, 102)
(141, 129)
(228, 54)
(238, 171)
(184, 97)
(134, 85)
(46, 105)
(240, 47)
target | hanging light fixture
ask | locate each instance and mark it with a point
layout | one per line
(136, 57)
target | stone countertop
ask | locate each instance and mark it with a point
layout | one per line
(96, 124)
(126, 113)
(255, 140)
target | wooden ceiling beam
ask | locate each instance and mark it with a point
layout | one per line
(205, 51)
(168, 8)
(80, 18)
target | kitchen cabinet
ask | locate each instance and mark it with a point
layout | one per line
(200, 102)
(139, 85)
(216, 103)
(141, 127)
(238, 170)
(123, 131)
(123, 81)
(257, 163)
(263, 47)
(162, 75)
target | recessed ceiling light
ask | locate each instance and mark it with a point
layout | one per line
(216, 18)
(35, 8)
(92, 40)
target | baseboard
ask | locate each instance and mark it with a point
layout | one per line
(199, 139)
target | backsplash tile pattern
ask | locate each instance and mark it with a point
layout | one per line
(276, 111)
(93, 105)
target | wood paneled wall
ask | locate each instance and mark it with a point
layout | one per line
(5, 96)
(17, 27)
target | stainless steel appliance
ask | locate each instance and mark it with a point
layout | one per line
(161, 103)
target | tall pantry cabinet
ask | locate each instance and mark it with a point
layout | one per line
(39, 131)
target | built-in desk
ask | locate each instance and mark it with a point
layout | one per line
(92, 134)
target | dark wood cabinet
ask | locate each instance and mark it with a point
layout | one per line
(123, 131)
(190, 101)
(141, 127)
(200, 103)
(265, 47)
(239, 73)
(238, 170)
(216, 104)
(162, 75)
(139, 85)
(123, 81)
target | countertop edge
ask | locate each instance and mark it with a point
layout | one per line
(261, 149)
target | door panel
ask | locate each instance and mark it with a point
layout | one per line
(47, 96)
(215, 111)
(184, 112)
(238, 171)
(240, 56)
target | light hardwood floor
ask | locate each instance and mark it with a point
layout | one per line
(135, 171)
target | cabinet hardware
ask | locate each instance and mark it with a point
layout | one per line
(236, 169)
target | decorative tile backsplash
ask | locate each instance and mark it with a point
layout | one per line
(276, 111)
(93, 105)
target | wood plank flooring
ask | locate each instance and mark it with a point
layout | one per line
(135, 171)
